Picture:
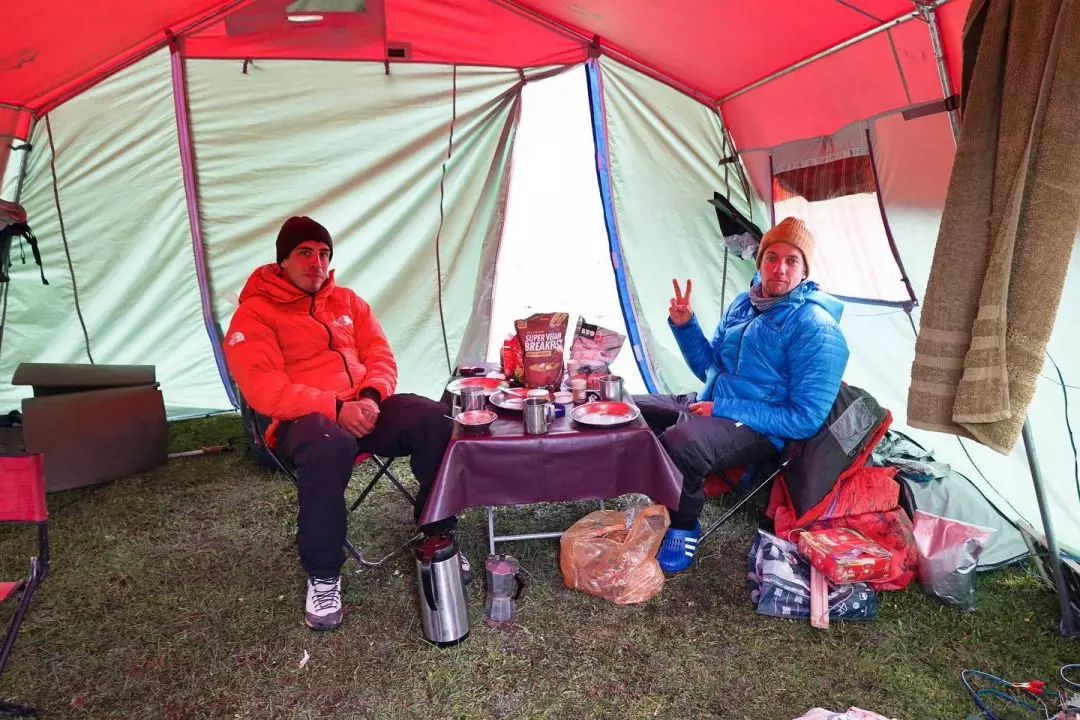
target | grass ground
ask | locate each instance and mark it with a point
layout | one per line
(177, 594)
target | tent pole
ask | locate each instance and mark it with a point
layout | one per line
(723, 284)
(772, 192)
(187, 165)
(834, 49)
(943, 72)
(1068, 623)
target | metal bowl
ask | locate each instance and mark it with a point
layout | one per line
(475, 419)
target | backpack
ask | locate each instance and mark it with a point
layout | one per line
(13, 224)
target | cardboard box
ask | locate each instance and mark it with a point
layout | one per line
(93, 423)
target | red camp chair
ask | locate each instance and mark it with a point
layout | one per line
(258, 425)
(22, 500)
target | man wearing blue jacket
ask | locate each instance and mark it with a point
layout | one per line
(771, 374)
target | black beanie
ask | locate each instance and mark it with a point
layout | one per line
(300, 229)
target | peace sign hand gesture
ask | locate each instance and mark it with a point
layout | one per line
(680, 311)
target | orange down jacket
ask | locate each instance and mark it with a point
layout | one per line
(293, 353)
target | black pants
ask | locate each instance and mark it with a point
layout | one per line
(699, 446)
(323, 454)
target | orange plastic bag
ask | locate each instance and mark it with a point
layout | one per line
(600, 556)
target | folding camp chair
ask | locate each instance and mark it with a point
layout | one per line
(257, 428)
(22, 500)
(787, 455)
(854, 426)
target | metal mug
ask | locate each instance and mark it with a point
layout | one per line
(611, 388)
(538, 413)
(473, 398)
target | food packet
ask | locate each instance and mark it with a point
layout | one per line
(594, 348)
(542, 337)
(513, 361)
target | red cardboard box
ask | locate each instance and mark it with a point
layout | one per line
(845, 556)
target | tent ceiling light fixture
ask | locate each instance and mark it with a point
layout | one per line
(305, 18)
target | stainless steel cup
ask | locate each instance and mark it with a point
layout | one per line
(473, 398)
(611, 388)
(537, 413)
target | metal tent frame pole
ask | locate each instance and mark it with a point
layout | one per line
(888, 25)
(1068, 622)
(597, 48)
(943, 71)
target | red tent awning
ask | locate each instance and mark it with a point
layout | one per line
(706, 48)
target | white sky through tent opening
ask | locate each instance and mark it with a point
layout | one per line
(554, 255)
(850, 235)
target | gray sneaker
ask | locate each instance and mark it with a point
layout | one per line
(322, 611)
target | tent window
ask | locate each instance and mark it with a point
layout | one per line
(837, 198)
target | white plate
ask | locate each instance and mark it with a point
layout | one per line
(605, 414)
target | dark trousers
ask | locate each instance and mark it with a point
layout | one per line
(323, 454)
(699, 446)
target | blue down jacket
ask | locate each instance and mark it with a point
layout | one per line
(777, 371)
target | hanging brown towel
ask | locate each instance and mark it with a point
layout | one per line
(1010, 219)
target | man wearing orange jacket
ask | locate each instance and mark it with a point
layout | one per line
(311, 355)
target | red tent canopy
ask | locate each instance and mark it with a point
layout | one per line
(711, 50)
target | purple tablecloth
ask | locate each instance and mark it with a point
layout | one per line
(504, 466)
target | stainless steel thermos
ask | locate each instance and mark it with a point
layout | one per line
(444, 607)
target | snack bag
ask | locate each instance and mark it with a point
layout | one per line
(513, 362)
(844, 555)
(595, 348)
(542, 337)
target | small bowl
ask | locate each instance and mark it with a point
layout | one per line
(564, 398)
(475, 419)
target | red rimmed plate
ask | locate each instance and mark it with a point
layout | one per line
(605, 414)
(490, 385)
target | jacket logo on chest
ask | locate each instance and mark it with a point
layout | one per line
(343, 321)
